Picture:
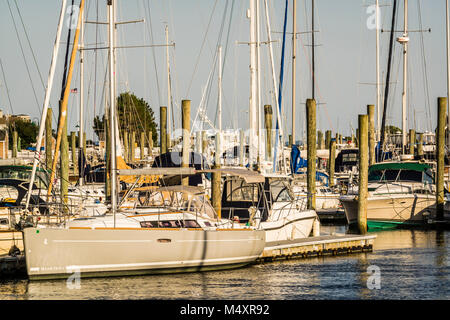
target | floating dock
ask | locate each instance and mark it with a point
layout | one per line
(317, 246)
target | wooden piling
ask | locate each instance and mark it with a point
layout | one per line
(48, 139)
(371, 115)
(291, 142)
(311, 145)
(132, 146)
(163, 127)
(14, 143)
(420, 146)
(142, 145)
(150, 143)
(216, 181)
(268, 124)
(363, 173)
(204, 143)
(327, 139)
(64, 166)
(125, 146)
(319, 140)
(331, 163)
(440, 155)
(241, 147)
(357, 138)
(186, 126)
(412, 141)
(73, 145)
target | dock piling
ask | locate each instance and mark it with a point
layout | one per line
(371, 115)
(268, 125)
(440, 155)
(363, 173)
(163, 127)
(331, 163)
(412, 141)
(186, 126)
(311, 145)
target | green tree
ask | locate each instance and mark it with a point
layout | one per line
(134, 114)
(27, 132)
(393, 129)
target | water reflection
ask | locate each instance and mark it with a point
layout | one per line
(413, 264)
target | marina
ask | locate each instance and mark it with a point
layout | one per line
(129, 180)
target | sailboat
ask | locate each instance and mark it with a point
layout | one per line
(171, 235)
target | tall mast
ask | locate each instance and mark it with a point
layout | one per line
(294, 53)
(220, 89)
(169, 91)
(112, 106)
(253, 86)
(275, 89)
(404, 40)
(46, 100)
(448, 68)
(80, 137)
(313, 58)
(259, 111)
(377, 49)
(219, 145)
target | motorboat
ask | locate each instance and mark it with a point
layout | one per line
(266, 201)
(398, 193)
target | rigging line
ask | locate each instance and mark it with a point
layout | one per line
(318, 90)
(201, 49)
(29, 44)
(153, 50)
(6, 87)
(24, 58)
(95, 62)
(386, 92)
(66, 58)
(219, 40)
(424, 62)
(227, 41)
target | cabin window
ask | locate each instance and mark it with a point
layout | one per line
(427, 177)
(4, 221)
(410, 175)
(191, 224)
(283, 196)
(149, 224)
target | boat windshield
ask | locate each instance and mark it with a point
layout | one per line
(398, 175)
(24, 173)
(182, 201)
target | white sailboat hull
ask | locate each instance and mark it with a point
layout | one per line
(59, 253)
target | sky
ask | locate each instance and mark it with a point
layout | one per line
(345, 59)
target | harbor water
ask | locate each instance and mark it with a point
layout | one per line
(404, 264)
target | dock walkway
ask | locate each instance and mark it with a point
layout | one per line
(317, 246)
